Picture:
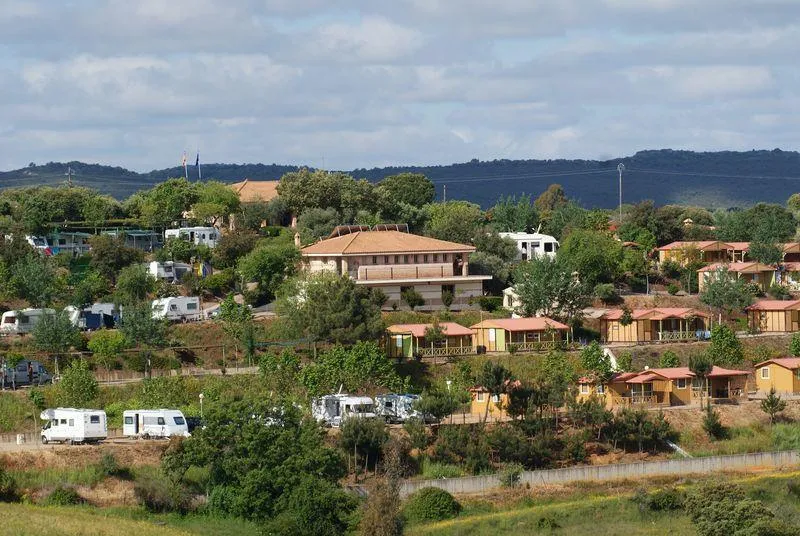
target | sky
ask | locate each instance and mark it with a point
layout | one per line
(364, 83)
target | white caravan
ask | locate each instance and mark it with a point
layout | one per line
(201, 236)
(335, 409)
(397, 408)
(168, 271)
(178, 309)
(149, 423)
(22, 321)
(70, 425)
(530, 245)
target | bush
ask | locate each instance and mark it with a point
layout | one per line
(779, 292)
(417, 433)
(510, 475)
(712, 425)
(512, 348)
(431, 504)
(160, 495)
(490, 303)
(663, 500)
(794, 346)
(673, 289)
(669, 359)
(63, 496)
(671, 269)
(606, 293)
(8, 487)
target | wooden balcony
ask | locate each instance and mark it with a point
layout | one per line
(537, 346)
(446, 352)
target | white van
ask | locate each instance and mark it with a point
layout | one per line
(201, 236)
(154, 423)
(177, 309)
(70, 425)
(22, 321)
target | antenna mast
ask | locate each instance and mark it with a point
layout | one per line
(69, 176)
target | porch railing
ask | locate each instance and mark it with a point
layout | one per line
(677, 335)
(647, 399)
(445, 352)
(537, 346)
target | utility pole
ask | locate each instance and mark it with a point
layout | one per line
(69, 176)
(444, 196)
(620, 168)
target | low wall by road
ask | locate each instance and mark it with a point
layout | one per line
(477, 484)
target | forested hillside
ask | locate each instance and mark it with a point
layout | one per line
(715, 180)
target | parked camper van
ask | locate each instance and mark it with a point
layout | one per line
(154, 423)
(397, 408)
(178, 309)
(22, 321)
(85, 319)
(168, 271)
(26, 372)
(531, 245)
(201, 236)
(334, 409)
(70, 425)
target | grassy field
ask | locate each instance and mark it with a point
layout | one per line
(598, 509)
(28, 520)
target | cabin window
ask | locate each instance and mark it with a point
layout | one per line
(9, 319)
(173, 307)
(72, 422)
(398, 341)
(160, 421)
(764, 373)
(191, 306)
(492, 335)
(600, 389)
(495, 398)
(94, 419)
(179, 420)
(548, 247)
(480, 397)
(535, 245)
(129, 420)
(416, 258)
(681, 383)
(584, 389)
(397, 259)
(64, 422)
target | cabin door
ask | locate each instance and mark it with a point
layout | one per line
(136, 423)
(795, 315)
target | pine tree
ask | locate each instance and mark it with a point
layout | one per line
(772, 405)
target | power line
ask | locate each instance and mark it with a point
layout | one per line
(715, 175)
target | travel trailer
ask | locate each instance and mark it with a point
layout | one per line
(177, 309)
(87, 320)
(168, 271)
(200, 236)
(70, 425)
(147, 423)
(530, 245)
(332, 410)
(397, 408)
(26, 372)
(22, 321)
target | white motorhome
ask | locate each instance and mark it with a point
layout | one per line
(148, 423)
(71, 425)
(26, 372)
(169, 270)
(396, 408)
(530, 245)
(178, 309)
(201, 236)
(22, 321)
(335, 409)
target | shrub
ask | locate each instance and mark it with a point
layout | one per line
(779, 292)
(431, 504)
(671, 269)
(606, 293)
(663, 500)
(417, 433)
(512, 348)
(490, 303)
(625, 362)
(160, 495)
(547, 522)
(510, 475)
(794, 346)
(8, 487)
(669, 359)
(712, 425)
(63, 496)
(673, 289)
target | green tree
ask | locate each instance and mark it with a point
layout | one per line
(550, 200)
(512, 214)
(772, 405)
(595, 256)
(35, 280)
(166, 202)
(725, 292)
(496, 379)
(455, 221)
(434, 334)
(712, 424)
(304, 189)
(269, 266)
(110, 255)
(215, 201)
(317, 223)
(142, 331)
(232, 246)
(363, 366)
(106, 346)
(55, 334)
(726, 348)
(89, 288)
(794, 345)
(701, 366)
(412, 189)
(328, 307)
(438, 403)
(267, 464)
(237, 322)
(669, 359)
(364, 438)
(134, 284)
(625, 362)
(765, 252)
(412, 298)
(78, 387)
(596, 361)
(546, 287)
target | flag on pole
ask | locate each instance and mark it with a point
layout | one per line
(185, 170)
(197, 164)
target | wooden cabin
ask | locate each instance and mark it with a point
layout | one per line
(408, 340)
(782, 373)
(526, 334)
(650, 325)
(754, 273)
(709, 251)
(774, 316)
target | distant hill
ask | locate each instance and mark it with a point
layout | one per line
(715, 179)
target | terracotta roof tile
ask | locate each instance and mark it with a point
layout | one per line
(660, 313)
(418, 330)
(252, 191)
(775, 305)
(383, 242)
(791, 363)
(741, 267)
(539, 323)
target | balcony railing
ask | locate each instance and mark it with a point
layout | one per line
(411, 271)
(677, 335)
(446, 352)
(536, 346)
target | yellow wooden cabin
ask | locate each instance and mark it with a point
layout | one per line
(525, 334)
(774, 316)
(649, 325)
(408, 340)
(755, 273)
(782, 373)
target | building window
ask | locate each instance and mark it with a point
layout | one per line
(425, 258)
(764, 373)
(481, 397)
(584, 389)
(681, 383)
(386, 259)
(398, 341)
(601, 389)
(406, 258)
(495, 398)
(416, 258)
(435, 257)
(374, 259)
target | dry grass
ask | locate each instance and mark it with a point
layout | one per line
(79, 456)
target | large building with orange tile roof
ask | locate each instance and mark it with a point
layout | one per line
(255, 191)
(393, 260)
